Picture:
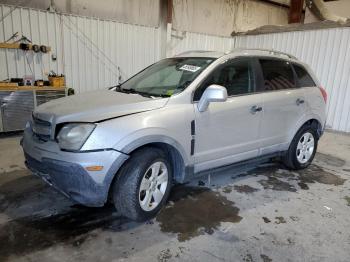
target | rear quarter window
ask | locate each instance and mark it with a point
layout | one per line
(304, 79)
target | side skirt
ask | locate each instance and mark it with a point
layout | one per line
(235, 168)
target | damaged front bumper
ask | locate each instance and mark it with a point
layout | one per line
(66, 171)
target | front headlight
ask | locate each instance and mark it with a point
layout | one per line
(73, 136)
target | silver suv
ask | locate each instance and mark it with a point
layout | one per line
(173, 121)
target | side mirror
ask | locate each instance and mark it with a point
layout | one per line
(213, 93)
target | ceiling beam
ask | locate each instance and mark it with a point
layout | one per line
(170, 11)
(295, 11)
(275, 3)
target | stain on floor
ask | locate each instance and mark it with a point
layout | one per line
(196, 211)
(315, 173)
(280, 220)
(266, 220)
(347, 198)
(17, 186)
(248, 258)
(164, 255)
(278, 177)
(303, 186)
(7, 177)
(245, 189)
(294, 218)
(34, 233)
(276, 184)
(330, 160)
(265, 258)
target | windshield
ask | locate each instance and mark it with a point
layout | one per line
(166, 77)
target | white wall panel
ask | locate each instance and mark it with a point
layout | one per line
(185, 41)
(91, 53)
(327, 51)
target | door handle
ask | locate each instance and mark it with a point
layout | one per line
(255, 109)
(299, 101)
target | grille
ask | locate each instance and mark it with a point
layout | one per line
(41, 128)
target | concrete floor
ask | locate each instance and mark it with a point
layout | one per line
(267, 214)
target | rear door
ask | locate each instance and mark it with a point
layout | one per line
(283, 104)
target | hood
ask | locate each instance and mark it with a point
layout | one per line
(96, 106)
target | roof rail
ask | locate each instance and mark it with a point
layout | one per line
(270, 51)
(197, 50)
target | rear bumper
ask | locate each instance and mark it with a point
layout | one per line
(66, 171)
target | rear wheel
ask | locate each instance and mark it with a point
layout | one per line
(302, 150)
(143, 184)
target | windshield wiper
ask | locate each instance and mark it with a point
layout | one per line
(116, 87)
(145, 94)
(133, 91)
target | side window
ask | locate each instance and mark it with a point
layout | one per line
(237, 76)
(278, 74)
(304, 79)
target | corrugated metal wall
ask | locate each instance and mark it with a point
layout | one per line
(92, 53)
(327, 51)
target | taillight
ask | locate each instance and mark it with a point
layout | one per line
(324, 94)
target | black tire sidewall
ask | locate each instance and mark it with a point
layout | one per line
(293, 147)
(129, 183)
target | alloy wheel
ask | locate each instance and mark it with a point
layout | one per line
(305, 147)
(153, 186)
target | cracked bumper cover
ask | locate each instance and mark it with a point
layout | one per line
(66, 171)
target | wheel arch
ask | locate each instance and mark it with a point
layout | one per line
(173, 154)
(172, 148)
(288, 157)
(314, 122)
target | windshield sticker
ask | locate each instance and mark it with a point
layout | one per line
(190, 68)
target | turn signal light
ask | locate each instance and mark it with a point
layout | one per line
(94, 168)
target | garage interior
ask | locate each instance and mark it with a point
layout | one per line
(55, 48)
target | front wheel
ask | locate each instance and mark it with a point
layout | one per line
(302, 149)
(143, 184)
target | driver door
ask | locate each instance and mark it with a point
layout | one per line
(228, 132)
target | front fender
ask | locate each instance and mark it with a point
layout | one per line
(148, 136)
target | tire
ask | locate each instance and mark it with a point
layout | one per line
(140, 171)
(299, 155)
